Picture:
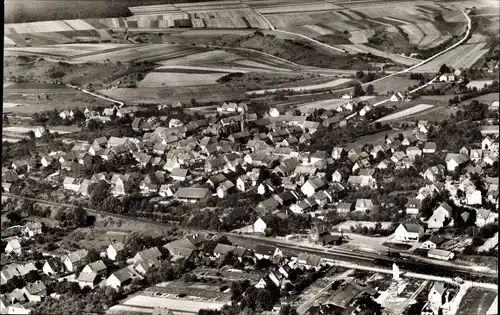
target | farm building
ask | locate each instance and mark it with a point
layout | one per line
(440, 254)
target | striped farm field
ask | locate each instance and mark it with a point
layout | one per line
(463, 56)
(326, 85)
(144, 53)
(360, 48)
(38, 27)
(297, 7)
(160, 79)
(287, 19)
(407, 112)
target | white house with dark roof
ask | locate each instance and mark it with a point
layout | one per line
(192, 194)
(114, 249)
(13, 246)
(409, 232)
(312, 186)
(439, 216)
(455, 160)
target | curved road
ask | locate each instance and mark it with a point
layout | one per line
(465, 38)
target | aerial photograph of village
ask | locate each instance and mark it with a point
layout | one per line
(248, 157)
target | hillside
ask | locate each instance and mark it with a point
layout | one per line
(302, 53)
(18, 11)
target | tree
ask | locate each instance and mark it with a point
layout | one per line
(92, 125)
(369, 89)
(444, 69)
(14, 217)
(92, 256)
(5, 120)
(358, 90)
(79, 217)
(360, 75)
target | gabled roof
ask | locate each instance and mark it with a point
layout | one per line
(263, 249)
(179, 172)
(97, 266)
(459, 158)
(192, 193)
(412, 227)
(87, 277)
(223, 249)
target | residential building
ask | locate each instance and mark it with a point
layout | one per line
(409, 232)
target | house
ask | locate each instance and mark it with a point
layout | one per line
(413, 206)
(265, 186)
(436, 294)
(51, 268)
(476, 154)
(97, 267)
(312, 186)
(243, 183)
(35, 291)
(493, 106)
(180, 248)
(74, 259)
(224, 188)
(114, 250)
(66, 114)
(473, 197)
(222, 250)
(484, 217)
(87, 279)
(7, 273)
(430, 148)
(286, 198)
(13, 246)
(364, 205)
(151, 256)
(33, 228)
(440, 254)
(433, 242)
(122, 277)
(267, 206)
(486, 143)
(409, 232)
(192, 194)
(455, 160)
(439, 216)
(434, 173)
(262, 251)
(344, 207)
(336, 177)
(447, 77)
(179, 174)
(338, 153)
(309, 261)
(412, 152)
(40, 131)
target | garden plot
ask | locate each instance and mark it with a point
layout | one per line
(463, 56)
(330, 104)
(476, 301)
(326, 85)
(407, 112)
(158, 79)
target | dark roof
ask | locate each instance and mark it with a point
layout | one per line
(264, 249)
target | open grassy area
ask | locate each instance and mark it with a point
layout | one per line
(393, 84)
(476, 301)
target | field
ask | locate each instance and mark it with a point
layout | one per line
(159, 79)
(463, 56)
(488, 98)
(476, 301)
(478, 84)
(183, 94)
(182, 305)
(365, 49)
(407, 112)
(330, 104)
(33, 97)
(326, 85)
(393, 84)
